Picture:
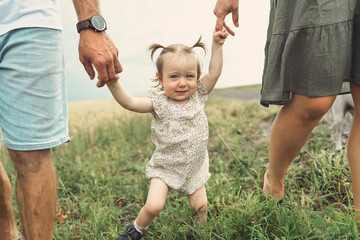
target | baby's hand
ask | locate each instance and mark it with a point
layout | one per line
(112, 82)
(220, 36)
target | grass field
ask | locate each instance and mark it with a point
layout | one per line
(102, 184)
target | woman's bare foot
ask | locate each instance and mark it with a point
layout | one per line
(273, 188)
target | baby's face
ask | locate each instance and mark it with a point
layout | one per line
(179, 76)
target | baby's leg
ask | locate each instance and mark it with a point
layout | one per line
(198, 202)
(155, 202)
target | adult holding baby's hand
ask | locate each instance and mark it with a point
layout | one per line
(222, 9)
(96, 49)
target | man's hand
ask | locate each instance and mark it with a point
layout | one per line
(222, 9)
(97, 50)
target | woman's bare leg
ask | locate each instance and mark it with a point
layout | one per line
(353, 149)
(290, 132)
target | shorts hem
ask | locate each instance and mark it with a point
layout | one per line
(36, 146)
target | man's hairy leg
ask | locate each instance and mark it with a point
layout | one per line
(7, 218)
(36, 192)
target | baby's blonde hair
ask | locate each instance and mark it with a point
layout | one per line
(175, 48)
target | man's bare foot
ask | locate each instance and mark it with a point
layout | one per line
(272, 188)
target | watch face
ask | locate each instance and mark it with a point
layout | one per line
(98, 23)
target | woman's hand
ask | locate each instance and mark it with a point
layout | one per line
(222, 9)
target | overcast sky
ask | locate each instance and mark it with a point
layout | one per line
(134, 25)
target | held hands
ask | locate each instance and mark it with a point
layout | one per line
(220, 36)
(97, 50)
(223, 8)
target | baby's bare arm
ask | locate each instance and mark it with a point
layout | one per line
(128, 101)
(216, 60)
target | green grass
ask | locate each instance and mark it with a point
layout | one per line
(102, 184)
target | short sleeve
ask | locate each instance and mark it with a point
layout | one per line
(202, 91)
(159, 103)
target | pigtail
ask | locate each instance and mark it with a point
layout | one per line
(200, 44)
(154, 47)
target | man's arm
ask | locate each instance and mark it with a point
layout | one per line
(86, 8)
(96, 48)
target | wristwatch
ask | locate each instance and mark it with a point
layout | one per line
(96, 23)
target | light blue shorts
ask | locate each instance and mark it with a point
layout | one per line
(33, 104)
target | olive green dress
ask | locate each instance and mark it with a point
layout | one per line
(312, 49)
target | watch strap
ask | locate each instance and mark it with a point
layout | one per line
(83, 25)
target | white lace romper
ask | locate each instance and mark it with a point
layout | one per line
(180, 134)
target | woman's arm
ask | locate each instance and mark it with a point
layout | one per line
(128, 101)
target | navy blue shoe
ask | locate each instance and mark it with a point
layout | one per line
(130, 234)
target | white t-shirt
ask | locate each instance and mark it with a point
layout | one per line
(29, 13)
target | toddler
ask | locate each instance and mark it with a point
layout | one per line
(179, 128)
